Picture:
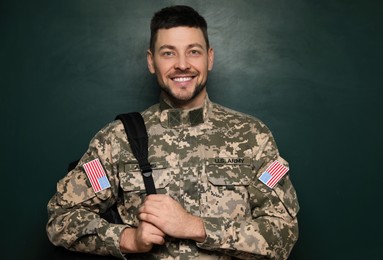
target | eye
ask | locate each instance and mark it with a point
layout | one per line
(195, 52)
(167, 53)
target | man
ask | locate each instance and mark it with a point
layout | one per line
(212, 168)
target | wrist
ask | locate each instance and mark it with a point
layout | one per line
(127, 242)
(197, 232)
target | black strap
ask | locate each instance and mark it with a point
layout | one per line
(138, 138)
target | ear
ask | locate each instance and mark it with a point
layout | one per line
(150, 61)
(210, 61)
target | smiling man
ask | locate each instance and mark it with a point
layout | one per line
(181, 59)
(223, 190)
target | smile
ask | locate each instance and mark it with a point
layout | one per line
(182, 79)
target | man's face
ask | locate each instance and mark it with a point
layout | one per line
(181, 62)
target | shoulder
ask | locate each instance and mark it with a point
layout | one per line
(151, 112)
(232, 118)
(116, 126)
(110, 132)
(219, 109)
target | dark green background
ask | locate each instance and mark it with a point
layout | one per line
(311, 70)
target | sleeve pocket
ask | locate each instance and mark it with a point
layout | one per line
(284, 190)
(75, 189)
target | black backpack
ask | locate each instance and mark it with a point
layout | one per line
(138, 139)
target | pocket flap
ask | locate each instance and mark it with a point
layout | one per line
(131, 178)
(229, 174)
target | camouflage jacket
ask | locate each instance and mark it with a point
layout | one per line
(209, 160)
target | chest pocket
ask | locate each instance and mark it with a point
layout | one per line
(132, 185)
(226, 193)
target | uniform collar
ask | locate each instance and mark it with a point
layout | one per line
(178, 118)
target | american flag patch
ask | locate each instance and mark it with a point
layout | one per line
(96, 175)
(273, 174)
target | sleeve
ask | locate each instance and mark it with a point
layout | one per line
(272, 229)
(74, 220)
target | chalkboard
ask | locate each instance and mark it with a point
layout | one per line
(311, 70)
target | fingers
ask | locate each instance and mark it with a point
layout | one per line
(149, 234)
(133, 240)
(142, 238)
(169, 217)
(156, 209)
(155, 205)
(152, 219)
(149, 229)
(165, 213)
(159, 202)
(158, 240)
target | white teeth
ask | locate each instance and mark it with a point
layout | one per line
(182, 79)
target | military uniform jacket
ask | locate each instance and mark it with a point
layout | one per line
(209, 160)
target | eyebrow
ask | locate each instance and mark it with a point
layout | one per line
(166, 46)
(171, 47)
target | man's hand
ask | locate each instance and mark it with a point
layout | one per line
(141, 239)
(170, 217)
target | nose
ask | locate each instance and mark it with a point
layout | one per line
(182, 63)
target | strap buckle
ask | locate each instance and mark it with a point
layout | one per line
(146, 170)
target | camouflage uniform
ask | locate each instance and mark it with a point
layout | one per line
(209, 160)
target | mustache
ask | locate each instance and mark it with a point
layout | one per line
(183, 74)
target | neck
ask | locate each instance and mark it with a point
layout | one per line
(195, 102)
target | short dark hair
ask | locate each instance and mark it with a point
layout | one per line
(175, 16)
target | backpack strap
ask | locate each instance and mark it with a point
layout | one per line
(138, 139)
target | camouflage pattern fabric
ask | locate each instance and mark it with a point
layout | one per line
(209, 160)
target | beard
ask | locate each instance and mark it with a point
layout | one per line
(180, 98)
